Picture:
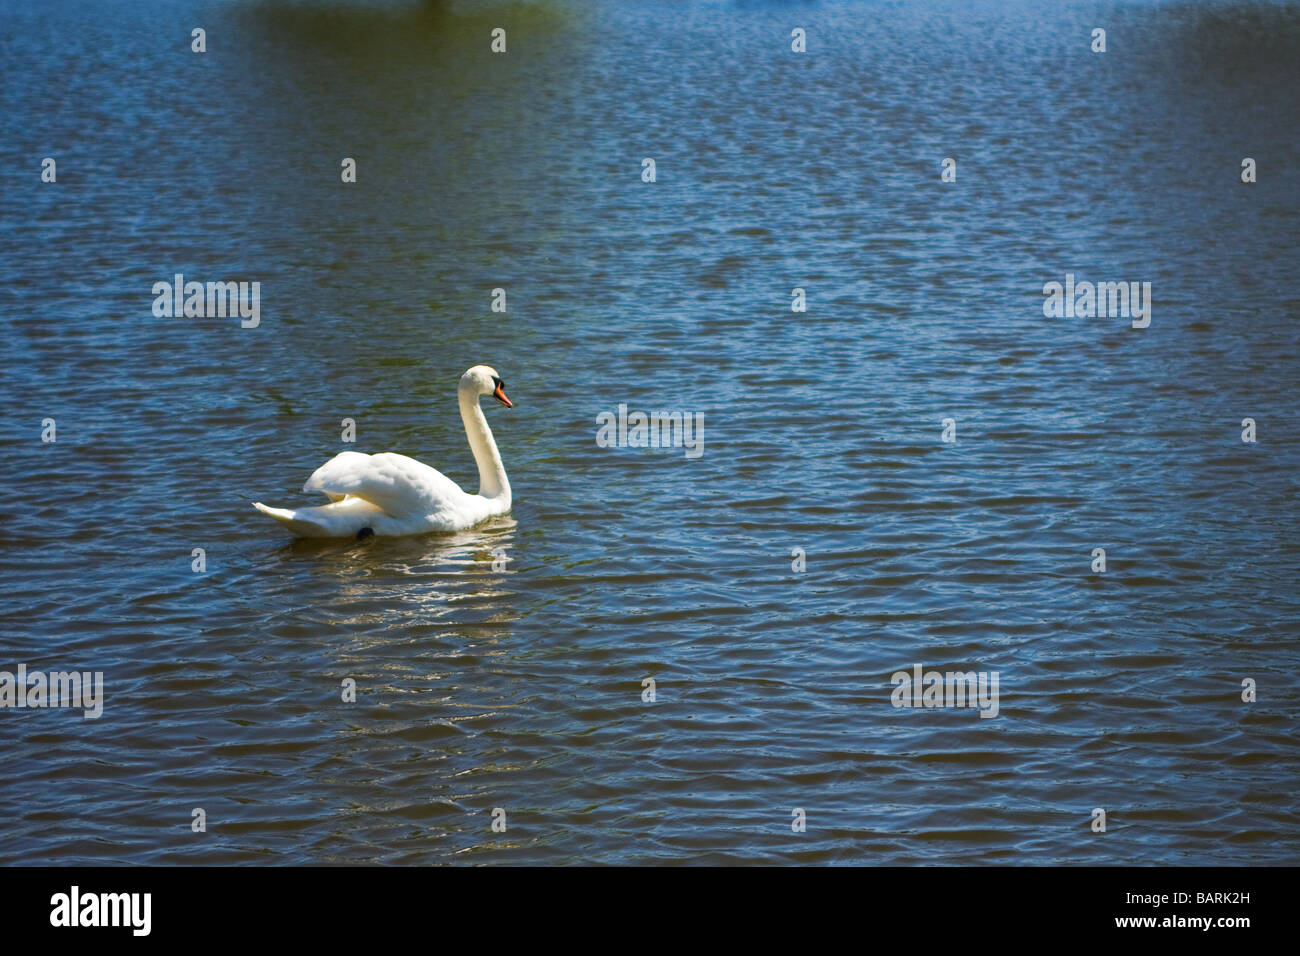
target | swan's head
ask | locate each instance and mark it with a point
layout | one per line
(484, 380)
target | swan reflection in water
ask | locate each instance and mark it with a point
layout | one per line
(454, 578)
(423, 626)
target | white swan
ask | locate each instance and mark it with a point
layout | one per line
(392, 494)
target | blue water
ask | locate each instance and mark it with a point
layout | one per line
(520, 687)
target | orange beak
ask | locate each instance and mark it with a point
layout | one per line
(500, 396)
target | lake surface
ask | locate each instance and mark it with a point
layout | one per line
(518, 684)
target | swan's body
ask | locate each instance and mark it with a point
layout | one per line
(391, 494)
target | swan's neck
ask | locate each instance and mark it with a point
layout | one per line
(492, 481)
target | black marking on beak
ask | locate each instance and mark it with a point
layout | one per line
(499, 393)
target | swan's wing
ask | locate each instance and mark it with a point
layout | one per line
(401, 486)
(344, 462)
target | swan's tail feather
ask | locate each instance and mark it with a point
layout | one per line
(303, 529)
(343, 519)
